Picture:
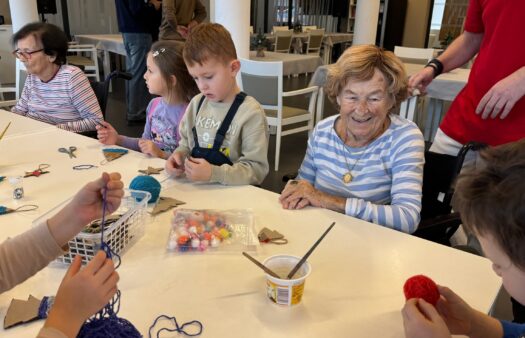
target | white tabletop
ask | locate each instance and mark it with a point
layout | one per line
(21, 125)
(354, 290)
(109, 42)
(292, 63)
(447, 85)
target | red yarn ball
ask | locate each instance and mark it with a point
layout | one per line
(421, 286)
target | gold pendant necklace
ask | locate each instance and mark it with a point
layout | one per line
(347, 176)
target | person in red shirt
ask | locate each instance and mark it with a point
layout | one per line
(491, 107)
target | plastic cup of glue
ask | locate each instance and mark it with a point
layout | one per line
(284, 291)
(16, 184)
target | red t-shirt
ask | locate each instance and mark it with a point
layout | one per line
(501, 53)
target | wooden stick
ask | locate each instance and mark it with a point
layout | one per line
(305, 257)
(2, 135)
(262, 266)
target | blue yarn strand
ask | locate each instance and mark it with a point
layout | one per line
(178, 329)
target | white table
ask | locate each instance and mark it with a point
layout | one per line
(292, 63)
(355, 289)
(21, 125)
(107, 43)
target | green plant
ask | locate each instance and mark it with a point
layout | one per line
(259, 41)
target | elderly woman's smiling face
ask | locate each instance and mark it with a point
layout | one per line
(364, 110)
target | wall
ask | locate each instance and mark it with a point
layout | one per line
(416, 23)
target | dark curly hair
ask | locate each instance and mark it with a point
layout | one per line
(53, 39)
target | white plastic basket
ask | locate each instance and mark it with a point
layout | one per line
(120, 235)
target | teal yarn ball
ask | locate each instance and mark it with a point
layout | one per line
(146, 183)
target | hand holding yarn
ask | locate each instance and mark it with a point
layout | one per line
(106, 134)
(421, 286)
(148, 147)
(82, 293)
(175, 164)
(197, 169)
(87, 203)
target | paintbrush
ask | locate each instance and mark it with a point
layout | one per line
(2, 135)
(305, 257)
(259, 264)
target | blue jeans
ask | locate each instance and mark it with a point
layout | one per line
(137, 46)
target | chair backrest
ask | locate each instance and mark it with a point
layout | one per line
(309, 28)
(101, 89)
(251, 29)
(315, 40)
(264, 81)
(407, 109)
(279, 29)
(439, 175)
(414, 55)
(283, 41)
(85, 57)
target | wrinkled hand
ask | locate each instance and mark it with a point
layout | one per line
(148, 147)
(197, 169)
(183, 31)
(86, 205)
(456, 313)
(421, 320)
(502, 97)
(298, 194)
(107, 134)
(82, 293)
(420, 81)
(175, 164)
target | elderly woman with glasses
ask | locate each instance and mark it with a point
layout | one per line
(54, 93)
(366, 161)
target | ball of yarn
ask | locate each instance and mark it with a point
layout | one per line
(421, 286)
(146, 183)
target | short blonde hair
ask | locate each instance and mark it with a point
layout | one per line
(358, 63)
(209, 40)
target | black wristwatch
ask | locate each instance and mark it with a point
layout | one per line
(436, 65)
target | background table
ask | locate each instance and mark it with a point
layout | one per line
(354, 290)
(292, 63)
(107, 43)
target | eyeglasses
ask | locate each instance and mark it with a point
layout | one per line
(19, 54)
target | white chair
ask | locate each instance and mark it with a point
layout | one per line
(407, 109)
(315, 41)
(279, 29)
(88, 63)
(264, 81)
(309, 28)
(414, 55)
(283, 41)
(251, 29)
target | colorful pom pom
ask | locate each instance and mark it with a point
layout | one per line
(421, 286)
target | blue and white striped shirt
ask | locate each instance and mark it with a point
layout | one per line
(66, 100)
(387, 173)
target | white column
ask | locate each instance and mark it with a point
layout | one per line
(22, 13)
(366, 16)
(235, 16)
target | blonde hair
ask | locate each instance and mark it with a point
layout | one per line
(209, 40)
(358, 63)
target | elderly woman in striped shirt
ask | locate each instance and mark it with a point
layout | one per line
(54, 93)
(366, 161)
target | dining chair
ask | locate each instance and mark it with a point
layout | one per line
(309, 28)
(84, 57)
(264, 81)
(315, 41)
(276, 29)
(283, 41)
(407, 108)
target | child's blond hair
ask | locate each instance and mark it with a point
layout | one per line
(209, 40)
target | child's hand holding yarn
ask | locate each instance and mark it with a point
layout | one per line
(106, 134)
(175, 164)
(197, 169)
(149, 148)
(421, 320)
(82, 293)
